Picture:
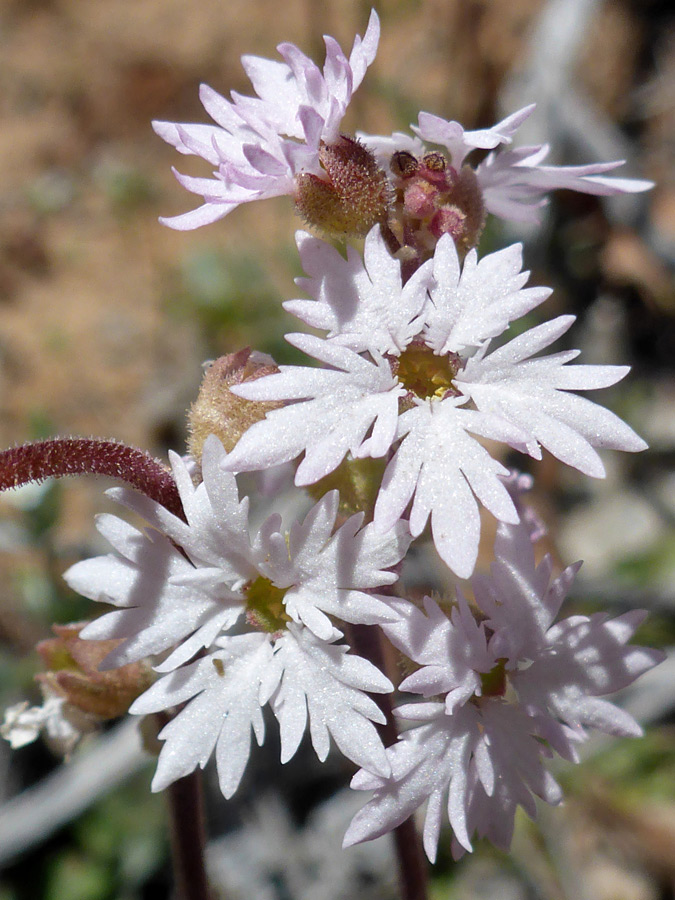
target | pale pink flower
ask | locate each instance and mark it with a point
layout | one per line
(513, 182)
(451, 135)
(259, 144)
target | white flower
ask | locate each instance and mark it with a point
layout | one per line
(482, 759)
(424, 385)
(259, 144)
(184, 583)
(62, 723)
(571, 663)
(361, 303)
(533, 395)
(23, 723)
(180, 586)
(513, 688)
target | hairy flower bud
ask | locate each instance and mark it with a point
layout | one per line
(352, 198)
(217, 410)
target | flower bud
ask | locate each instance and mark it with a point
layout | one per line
(418, 199)
(467, 198)
(73, 674)
(435, 166)
(353, 197)
(217, 410)
(448, 220)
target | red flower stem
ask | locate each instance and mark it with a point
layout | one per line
(188, 839)
(390, 239)
(59, 457)
(412, 866)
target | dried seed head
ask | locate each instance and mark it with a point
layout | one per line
(73, 673)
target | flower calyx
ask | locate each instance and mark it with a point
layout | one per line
(357, 481)
(353, 196)
(73, 673)
(217, 410)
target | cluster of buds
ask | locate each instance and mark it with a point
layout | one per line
(433, 199)
(417, 201)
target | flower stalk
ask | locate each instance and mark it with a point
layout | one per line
(412, 865)
(188, 838)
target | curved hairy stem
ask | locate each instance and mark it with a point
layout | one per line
(59, 457)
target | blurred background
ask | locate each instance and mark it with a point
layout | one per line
(106, 318)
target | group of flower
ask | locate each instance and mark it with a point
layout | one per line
(234, 619)
(241, 621)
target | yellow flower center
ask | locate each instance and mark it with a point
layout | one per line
(265, 605)
(426, 375)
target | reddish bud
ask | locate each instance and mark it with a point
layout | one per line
(419, 199)
(434, 166)
(467, 196)
(448, 220)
